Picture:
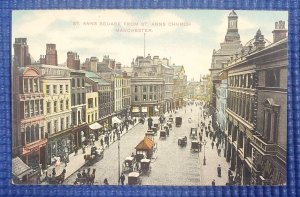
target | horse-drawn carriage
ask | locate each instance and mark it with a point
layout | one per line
(129, 165)
(182, 141)
(134, 178)
(145, 167)
(163, 135)
(178, 121)
(56, 179)
(95, 156)
(85, 178)
(193, 133)
(195, 146)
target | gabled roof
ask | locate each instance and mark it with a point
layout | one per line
(145, 144)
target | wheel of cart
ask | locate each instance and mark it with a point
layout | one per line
(134, 178)
(128, 165)
(145, 167)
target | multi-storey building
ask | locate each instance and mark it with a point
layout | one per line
(57, 109)
(270, 137)
(147, 88)
(78, 107)
(126, 94)
(28, 115)
(21, 52)
(257, 85)
(220, 58)
(180, 87)
(51, 55)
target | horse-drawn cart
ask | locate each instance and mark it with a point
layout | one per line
(95, 156)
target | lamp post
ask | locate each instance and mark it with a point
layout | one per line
(118, 137)
(204, 159)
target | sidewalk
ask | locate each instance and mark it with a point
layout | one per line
(208, 172)
(77, 161)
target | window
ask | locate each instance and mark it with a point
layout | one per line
(36, 107)
(48, 107)
(55, 126)
(67, 88)
(82, 82)
(62, 124)
(26, 113)
(73, 99)
(83, 98)
(273, 78)
(135, 88)
(61, 89)
(144, 89)
(49, 127)
(78, 99)
(55, 106)
(96, 116)
(25, 85)
(90, 102)
(155, 88)
(92, 117)
(155, 97)
(67, 122)
(54, 89)
(150, 97)
(151, 88)
(31, 85)
(37, 132)
(35, 85)
(136, 98)
(48, 89)
(42, 133)
(61, 105)
(95, 102)
(78, 82)
(41, 106)
(73, 83)
(31, 108)
(27, 135)
(67, 104)
(144, 97)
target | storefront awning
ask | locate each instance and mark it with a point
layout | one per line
(95, 126)
(19, 168)
(116, 120)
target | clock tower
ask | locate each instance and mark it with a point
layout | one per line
(232, 29)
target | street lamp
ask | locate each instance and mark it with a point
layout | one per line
(204, 159)
(118, 137)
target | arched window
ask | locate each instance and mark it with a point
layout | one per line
(73, 82)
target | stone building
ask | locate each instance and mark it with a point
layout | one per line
(180, 86)
(220, 58)
(56, 82)
(257, 96)
(21, 52)
(78, 107)
(73, 61)
(147, 88)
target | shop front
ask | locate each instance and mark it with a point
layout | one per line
(33, 154)
(94, 132)
(77, 135)
(59, 146)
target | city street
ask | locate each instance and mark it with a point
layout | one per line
(174, 165)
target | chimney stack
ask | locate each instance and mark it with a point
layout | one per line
(279, 32)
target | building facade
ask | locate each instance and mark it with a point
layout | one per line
(57, 109)
(180, 87)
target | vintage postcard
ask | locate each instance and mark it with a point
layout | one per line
(149, 97)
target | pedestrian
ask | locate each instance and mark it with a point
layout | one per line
(79, 174)
(200, 138)
(217, 145)
(84, 174)
(219, 151)
(219, 170)
(53, 172)
(122, 178)
(76, 150)
(212, 145)
(213, 183)
(105, 181)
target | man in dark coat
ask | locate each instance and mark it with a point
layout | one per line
(219, 170)
(122, 178)
(213, 183)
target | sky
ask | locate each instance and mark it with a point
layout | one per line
(187, 37)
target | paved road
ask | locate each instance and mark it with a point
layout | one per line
(174, 165)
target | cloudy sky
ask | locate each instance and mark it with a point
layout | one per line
(95, 33)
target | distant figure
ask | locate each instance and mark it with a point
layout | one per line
(219, 170)
(53, 172)
(122, 178)
(212, 145)
(219, 151)
(105, 181)
(213, 183)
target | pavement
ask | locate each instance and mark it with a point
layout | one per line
(77, 161)
(173, 165)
